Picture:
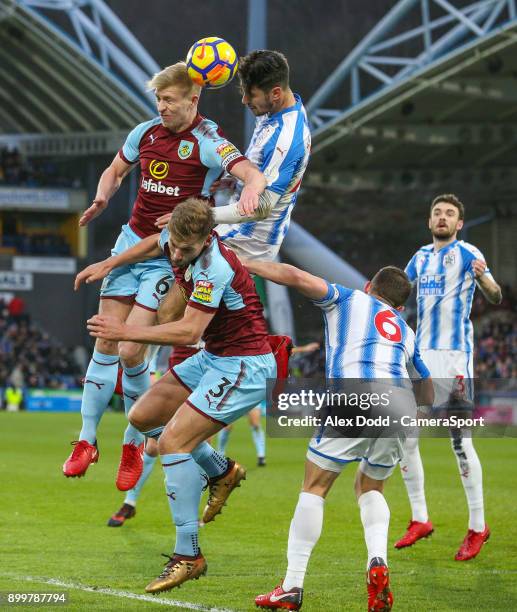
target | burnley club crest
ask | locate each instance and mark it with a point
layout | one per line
(185, 149)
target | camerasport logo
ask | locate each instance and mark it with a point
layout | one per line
(159, 169)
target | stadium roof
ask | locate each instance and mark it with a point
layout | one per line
(450, 107)
(68, 67)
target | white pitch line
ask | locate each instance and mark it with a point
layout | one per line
(124, 594)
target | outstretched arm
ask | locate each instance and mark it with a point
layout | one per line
(309, 285)
(254, 184)
(188, 330)
(231, 212)
(109, 183)
(148, 248)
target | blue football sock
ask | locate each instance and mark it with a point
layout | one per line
(99, 384)
(212, 462)
(183, 484)
(153, 354)
(133, 494)
(135, 382)
(154, 433)
(222, 440)
(259, 439)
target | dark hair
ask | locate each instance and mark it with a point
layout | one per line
(392, 284)
(263, 69)
(192, 218)
(449, 198)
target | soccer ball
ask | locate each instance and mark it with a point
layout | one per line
(212, 62)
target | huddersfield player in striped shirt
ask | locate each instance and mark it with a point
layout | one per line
(366, 342)
(446, 273)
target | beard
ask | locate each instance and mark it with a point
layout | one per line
(443, 233)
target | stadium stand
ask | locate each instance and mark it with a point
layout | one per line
(20, 172)
(496, 335)
(30, 357)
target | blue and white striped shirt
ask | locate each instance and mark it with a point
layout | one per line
(365, 338)
(445, 290)
(280, 147)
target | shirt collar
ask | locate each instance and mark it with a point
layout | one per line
(297, 104)
(446, 248)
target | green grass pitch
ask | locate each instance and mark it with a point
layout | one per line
(55, 528)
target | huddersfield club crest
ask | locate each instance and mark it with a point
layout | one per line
(185, 149)
(449, 260)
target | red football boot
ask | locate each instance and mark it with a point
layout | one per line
(378, 585)
(130, 466)
(118, 519)
(83, 454)
(472, 544)
(415, 531)
(280, 599)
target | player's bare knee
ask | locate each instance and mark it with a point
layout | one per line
(317, 480)
(171, 444)
(364, 483)
(131, 354)
(106, 347)
(137, 418)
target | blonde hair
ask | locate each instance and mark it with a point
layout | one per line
(175, 76)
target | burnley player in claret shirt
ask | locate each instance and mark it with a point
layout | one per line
(207, 391)
(180, 154)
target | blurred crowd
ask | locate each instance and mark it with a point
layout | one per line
(39, 244)
(495, 337)
(16, 171)
(29, 357)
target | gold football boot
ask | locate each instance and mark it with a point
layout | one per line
(178, 570)
(220, 487)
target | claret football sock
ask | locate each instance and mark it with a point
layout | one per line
(133, 494)
(304, 533)
(99, 384)
(375, 516)
(183, 484)
(212, 462)
(135, 382)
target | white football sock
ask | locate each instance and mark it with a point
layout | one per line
(471, 478)
(413, 475)
(375, 516)
(304, 533)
